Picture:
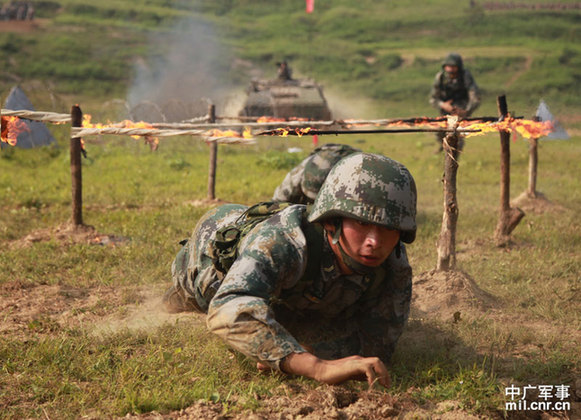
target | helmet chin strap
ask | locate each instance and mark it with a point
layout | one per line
(350, 262)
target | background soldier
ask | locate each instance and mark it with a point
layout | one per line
(284, 72)
(302, 184)
(323, 293)
(454, 91)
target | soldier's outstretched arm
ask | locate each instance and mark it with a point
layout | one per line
(337, 371)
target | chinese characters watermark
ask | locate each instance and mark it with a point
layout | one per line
(540, 397)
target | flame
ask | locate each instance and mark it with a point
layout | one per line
(139, 124)
(152, 141)
(534, 129)
(222, 133)
(11, 128)
(265, 119)
(216, 133)
(527, 128)
(87, 122)
(283, 132)
(302, 131)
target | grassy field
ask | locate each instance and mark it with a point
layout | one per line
(82, 333)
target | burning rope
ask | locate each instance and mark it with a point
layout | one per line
(294, 127)
(52, 117)
(284, 132)
(210, 136)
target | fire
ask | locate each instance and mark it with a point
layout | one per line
(229, 134)
(11, 128)
(140, 124)
(247, 134)
(266, 119)
(527, 128)
(222, 133)
(534, 129)
(283, 132)
(152, 141)
(87, 122)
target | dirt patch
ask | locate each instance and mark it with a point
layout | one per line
(47, 309)
(447, 295)
(69, 234)
(537, 205)
(325, 402)
(20, 26)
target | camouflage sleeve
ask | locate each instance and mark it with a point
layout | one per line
(473, 92)
(385, 313)
(290, 189)
(436, 93)
(272, 257)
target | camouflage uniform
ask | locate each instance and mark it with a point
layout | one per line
(462, 90)
(271, 299)
(302, 184)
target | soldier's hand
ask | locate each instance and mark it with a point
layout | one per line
(447, 106)
(370, 369)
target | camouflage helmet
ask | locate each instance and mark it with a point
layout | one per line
(453, 59)
(371, 188)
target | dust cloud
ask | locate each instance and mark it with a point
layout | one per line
(148, 315)
(349, 107)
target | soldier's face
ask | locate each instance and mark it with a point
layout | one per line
(367, 243)
(451, 70)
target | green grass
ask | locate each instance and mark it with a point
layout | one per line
(376, 50)
(74, 374)
(143, 195)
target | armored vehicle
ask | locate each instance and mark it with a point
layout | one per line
(285, 97)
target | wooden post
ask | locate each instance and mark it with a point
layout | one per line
(76, 168)
(447, 239)
(213, 157)
(509, 217)
(533, 164)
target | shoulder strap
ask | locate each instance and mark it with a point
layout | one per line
(227, 239)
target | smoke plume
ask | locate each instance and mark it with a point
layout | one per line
(187, 68)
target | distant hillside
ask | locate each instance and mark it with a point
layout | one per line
(382, 53)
